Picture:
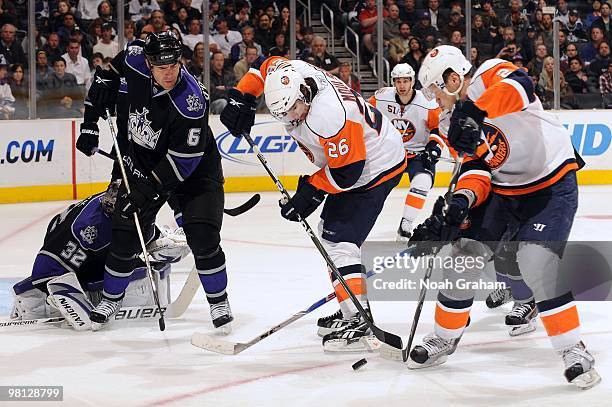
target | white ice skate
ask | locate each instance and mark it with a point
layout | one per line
(580, 367)
(498, 297)
(355, 336)
(433, 351)
(104, 312)
(404, 231)
(331, 323)
(221, 315)
(521, 319)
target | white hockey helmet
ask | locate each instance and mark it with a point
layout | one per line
(282, 88)
(402, 71)
(438, 61)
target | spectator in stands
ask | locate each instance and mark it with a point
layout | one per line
(7, 13)
(129, 31)
(65, 30)
(238, 50)
(562, 12)
(603, 21)
(62, 96)
(221, 80)
(415, 56)
(11, 49)
(489, 15)
(546, 86)
(270, 10)
(575, 28)
(424, 29)
(43, 70)
(595, 14)
(399, 46)
(305, 45)
(605, 81)
(77, 65)
(196, 36)
(576, 77)
(599, 65)
(409, 13)
(280, 49)
(57, 15)
(105, 13)
(251, 56)
(547, 32)
(226, 38)
(214, 11)
(20, 90)
(480, 34)
(528, 45)
(181, 22)
(192, 11)
(346, 76)
(281, 24)
(157, 23)
(96, 60)
(88, 10)
(456, 40)
(242, 18)
(322, 58)
(187, 53)
(454, 24)
(562, 41)
(571, 51)
(474, 57)
(436, 15)
(508, 52)
(196, 64)
(95, 31)
(519, 61)
(537, 63)
(367, 21)
(140, 11)
(7, 101)
(508, 37)
(39, 41)
(590, 51)
(391, 24)
(106, 46)
(516, 18)
(263, 34)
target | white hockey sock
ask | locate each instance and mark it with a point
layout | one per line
(415, 199)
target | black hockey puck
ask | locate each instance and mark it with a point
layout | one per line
(359, 364)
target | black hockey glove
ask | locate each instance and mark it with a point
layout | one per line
(103, 91)
(307, 198)
(239, 114)
(87, 143)
(465, 127)
(142, 195)
(430, 155)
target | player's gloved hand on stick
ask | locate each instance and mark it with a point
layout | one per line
(103, 90)
(239, 114)
(465, 127)
(142, 195)
(307, 198)
(88, 140)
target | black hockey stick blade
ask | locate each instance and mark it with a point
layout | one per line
(239, 210)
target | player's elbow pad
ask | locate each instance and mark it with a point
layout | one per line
(347, 175)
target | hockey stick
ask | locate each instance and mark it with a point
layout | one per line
(239, 210)
(423, 292)
(178, 307)
(445, 159)
(162, 323)
(224, 347)
(383, 336)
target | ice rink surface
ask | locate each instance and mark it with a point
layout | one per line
(274, 271)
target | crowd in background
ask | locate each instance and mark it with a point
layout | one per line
(73, 37)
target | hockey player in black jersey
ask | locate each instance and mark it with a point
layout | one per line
(170, 150)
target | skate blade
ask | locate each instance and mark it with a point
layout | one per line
(516, 330)
(367, 344)
(587, 380)
(224, 329)
(98, 326)
(412, 365)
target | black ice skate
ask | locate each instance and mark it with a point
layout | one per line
(331, 323)
(404, 231)
(221, 315)
(433, 351)
(499, 297)
(355, 336)
(580, 367)
(103, 313)
(521, 319)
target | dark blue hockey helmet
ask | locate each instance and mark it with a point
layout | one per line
(163, 48)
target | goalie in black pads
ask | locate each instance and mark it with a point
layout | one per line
(171, 150)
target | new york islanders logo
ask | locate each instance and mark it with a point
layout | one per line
(405, 127)
(499, 147)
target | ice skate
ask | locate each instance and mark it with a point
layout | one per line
(404, 231)
(104, 313)
(221, 315)
(433, 351)
(580, 367)
(331, 323)
(521, 319)
(499, 297)
(354, 337)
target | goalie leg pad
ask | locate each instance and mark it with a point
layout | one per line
(66, 294)
(32, 304)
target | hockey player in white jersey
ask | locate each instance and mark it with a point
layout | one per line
(416, 118)
(519, 175)
(360, 156)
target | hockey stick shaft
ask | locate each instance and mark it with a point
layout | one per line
(445, 159)
(180, 305)
(423, 292)
(162, 323)
(386, 337)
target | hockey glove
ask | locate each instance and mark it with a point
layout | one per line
(465, 127)
(103, 91)
(87, 143)
(430, 155)
(143, 195)
(307, 198)
(239, 114)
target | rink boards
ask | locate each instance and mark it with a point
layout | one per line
(39, 162)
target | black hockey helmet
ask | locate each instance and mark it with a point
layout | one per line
(163, 48)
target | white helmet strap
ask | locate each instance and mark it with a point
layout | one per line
(455, 93)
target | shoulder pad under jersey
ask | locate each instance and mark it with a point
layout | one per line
(92, 227)
(135, 58)
(189, 96)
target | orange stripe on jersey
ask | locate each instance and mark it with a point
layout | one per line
(357, 286)
(415, 201)
(346, 147)
(478, 184)
(561, 322)
(499, 100)
(451, 320)
(497, 73)
(522, 191)
(319, 180)
(372, 101)
(252, 84)
(392, 174)
(433, 118)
